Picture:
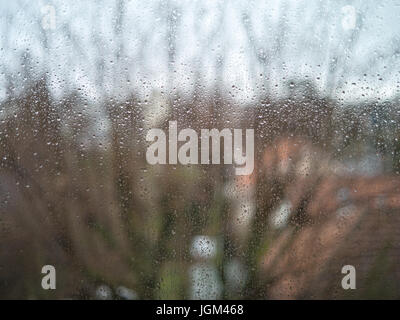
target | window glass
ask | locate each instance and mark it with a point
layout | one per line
(199, 149)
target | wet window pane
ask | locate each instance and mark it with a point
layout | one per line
(199, 149)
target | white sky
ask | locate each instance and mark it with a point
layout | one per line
(317, 33)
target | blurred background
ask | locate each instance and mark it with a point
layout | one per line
(81, 83)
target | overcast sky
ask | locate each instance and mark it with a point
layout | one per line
(348, 49)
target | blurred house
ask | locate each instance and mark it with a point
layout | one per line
(351, 219)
